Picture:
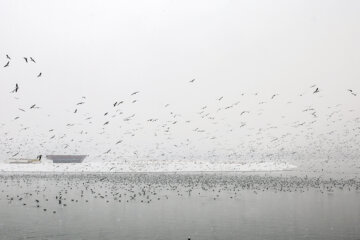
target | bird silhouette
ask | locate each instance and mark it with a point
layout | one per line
(16, 88)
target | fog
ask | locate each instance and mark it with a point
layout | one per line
(256, 65)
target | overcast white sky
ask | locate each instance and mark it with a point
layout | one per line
(105, 50)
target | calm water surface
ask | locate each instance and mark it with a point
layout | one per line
(168, 206)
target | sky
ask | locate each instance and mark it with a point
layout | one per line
(100, 52)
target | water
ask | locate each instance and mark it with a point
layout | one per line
(168, 206)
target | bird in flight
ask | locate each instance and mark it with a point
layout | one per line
(316, 90)
(134, 93)
(26, 60)
(352, 92)
(8, 57)
(33, 106)
(7, 64)
(31, 59)
(39, 75)
(220, 98)
(16, 88)
(191, 81)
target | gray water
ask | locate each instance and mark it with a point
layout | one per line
(170, 206)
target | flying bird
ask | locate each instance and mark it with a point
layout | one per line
(26, 60)
(31, 59)
(39, 75)
(16, 88)
(7, 64)
(8, 57)
(134, 93)
(316, 90)
(191, 81)
(352, 92)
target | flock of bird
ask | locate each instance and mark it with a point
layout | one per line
(218, 131)
(59, 191)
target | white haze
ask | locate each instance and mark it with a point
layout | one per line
(106, 50)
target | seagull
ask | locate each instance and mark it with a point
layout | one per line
(31, 59)
(316, 90)
(244, 112)
(193, 80)
(39, 75)
(16, 88)
(352, 92)
(7, 64)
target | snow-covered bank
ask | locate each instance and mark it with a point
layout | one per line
(145, 166)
